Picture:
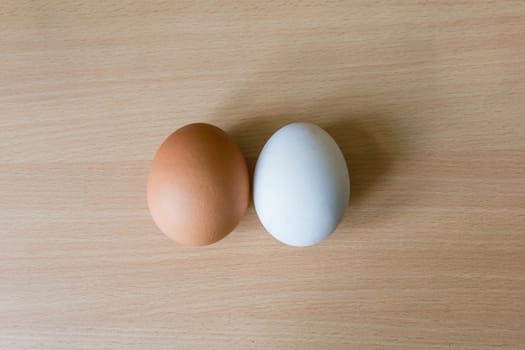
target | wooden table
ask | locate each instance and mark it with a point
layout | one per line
(426, 99)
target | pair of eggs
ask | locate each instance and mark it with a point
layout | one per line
(199, 185)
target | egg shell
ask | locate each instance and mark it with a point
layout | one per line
(198, 185)
(301, 185)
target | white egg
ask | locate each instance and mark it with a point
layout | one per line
(301, 185)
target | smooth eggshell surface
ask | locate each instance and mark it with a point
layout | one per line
(198, 185)
(301, 185)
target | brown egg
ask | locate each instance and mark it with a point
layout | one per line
(198, 186)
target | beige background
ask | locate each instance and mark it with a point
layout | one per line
(426, 99)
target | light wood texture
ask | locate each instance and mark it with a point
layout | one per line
(426, 99)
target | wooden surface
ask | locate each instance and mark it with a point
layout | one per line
(426, 99)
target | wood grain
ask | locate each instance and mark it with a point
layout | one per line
(426, 99)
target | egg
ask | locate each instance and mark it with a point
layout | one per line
(198, 186)
(301, 185)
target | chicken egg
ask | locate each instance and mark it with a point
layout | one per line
(198, 186)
